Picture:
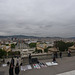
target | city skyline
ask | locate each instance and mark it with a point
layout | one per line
(47, 18)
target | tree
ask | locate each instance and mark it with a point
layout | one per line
(7, 44)
(12, 45)
(36, 51)
(32, 45)
(69, 44)
(62, 45)
(2, 53)
(46, 49)
(39, 51)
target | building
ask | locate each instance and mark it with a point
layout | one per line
(6, 48)
(50, 50)
(43, 46)
(25, 52)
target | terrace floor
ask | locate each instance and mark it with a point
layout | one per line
(66, 66)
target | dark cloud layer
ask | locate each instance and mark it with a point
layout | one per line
(37, 17)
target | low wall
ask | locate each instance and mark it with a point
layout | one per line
(42, 57)
(49, 56)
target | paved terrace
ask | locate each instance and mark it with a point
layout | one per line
(66, 64)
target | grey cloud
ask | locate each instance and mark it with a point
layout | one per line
(37, 17)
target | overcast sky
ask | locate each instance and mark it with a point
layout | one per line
(37, 17)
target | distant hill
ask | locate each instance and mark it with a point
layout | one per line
(72, 37)
(18, 36)
(24, 36)
(54, 37)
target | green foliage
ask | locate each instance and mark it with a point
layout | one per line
(39, 51)
(62, 45)
(13, 45)
(49, 47)
(7, 44)
(36, 50)
(32, 45)
(46, 49)
(69, 44)
(2, 53)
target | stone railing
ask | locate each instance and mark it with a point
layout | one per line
(49, 56)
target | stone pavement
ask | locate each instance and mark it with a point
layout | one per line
(66, 65)
(1, 73)
(68, 73)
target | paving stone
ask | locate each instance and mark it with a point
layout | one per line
(1, 73)
(66, 66)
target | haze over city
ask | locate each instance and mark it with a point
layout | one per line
(37, 17)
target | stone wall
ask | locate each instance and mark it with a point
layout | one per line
(49, 56)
